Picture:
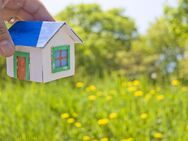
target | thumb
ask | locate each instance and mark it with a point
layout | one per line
(6, 44)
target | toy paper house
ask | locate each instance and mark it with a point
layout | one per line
(44, 51)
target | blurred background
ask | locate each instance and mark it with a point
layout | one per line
(143, 36)
(130, 83)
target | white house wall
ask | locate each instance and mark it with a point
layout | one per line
(61, 38)
(35, 67)
(10, 68)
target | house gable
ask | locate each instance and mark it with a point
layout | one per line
(38, 34)
(61, 39)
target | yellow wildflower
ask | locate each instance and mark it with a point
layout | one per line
(104, 139)
(86, 138)
(79, 84)
(129, 83)
(70, 120)
(160, 97)
(138, 93)
(152, 92)
(103, 121)
(64, 115)
(108, 98)
(113, 115)
(136, 82)
(132, 89)
(92, 97)
(91, 88)
(95, 140)
(144, 116)
(129, 139)
(78, 124)
(175, 82)
(158, 135)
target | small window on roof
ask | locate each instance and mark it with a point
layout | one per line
(60, 58)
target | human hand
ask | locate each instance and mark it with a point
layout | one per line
(13, 10)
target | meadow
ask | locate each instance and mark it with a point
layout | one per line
(112, 109)
(147, 103)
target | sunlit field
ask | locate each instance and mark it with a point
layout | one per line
(107, 110)
(128, 86)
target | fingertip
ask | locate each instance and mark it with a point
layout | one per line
(46, 17)
(10, 53)
(2, 51)
(6, 44)
(6, 48)
(42, 14)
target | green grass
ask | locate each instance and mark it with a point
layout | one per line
(141, 112)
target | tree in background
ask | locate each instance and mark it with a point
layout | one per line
(107, 35)
(112, 44)
(166, 41)
(164, 44)
(178, 19)
(169, 38)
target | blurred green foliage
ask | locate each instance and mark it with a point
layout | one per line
(168, 37)
(107, 35)
(113, 45)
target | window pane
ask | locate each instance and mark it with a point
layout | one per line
(64, 53)
(64, 62)
(57, 63)
(57, 54)
(60, 59)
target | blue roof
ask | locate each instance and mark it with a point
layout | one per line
(33, 34)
